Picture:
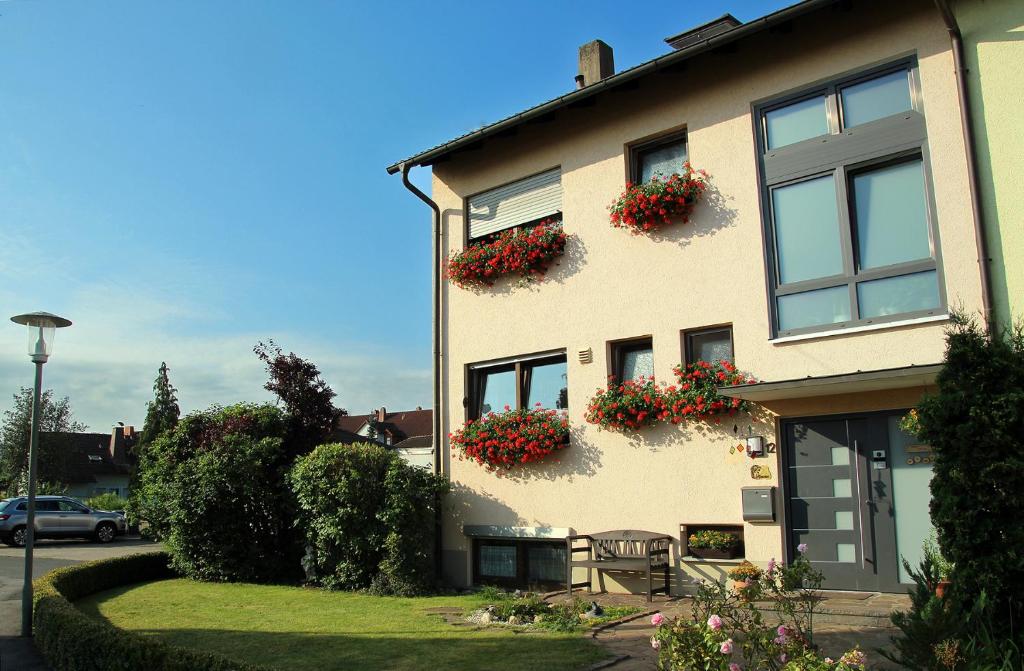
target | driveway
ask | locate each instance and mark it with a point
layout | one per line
(16, 653)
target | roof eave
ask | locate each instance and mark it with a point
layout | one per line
(750, 28)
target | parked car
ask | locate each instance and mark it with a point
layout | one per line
(58, 517)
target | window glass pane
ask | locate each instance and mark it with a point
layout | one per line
(876, 98)
(499, 390)
(710, 346)
(637, 363)
(545, 563)
(841, 488)
(807, 230)
(896, 295)
(892, 224)
(662, 161)
(799, 121)
(846, 553)
(549, 387)
(814, 308)
(498, 561)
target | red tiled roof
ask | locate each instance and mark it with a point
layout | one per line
(400, 425)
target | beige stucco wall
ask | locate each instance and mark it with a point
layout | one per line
(612, 285)
(993, 32)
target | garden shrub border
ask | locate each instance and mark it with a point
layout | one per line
(70, 640)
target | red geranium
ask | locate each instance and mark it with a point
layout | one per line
(628, 405)
(696, 396)
(504, 440)
(524, 251)
(644, 207)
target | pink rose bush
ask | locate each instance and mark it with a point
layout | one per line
(728, 633)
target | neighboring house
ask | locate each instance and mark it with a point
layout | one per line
(408, 432)
(100, 463)
(837, 235)
(993, 33)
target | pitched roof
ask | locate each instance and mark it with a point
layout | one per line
(540, 112)
(89, 456)
(415, 441)
(400, 425)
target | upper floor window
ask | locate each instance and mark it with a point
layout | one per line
(525, 201)
(658, 158)
(526, 383)
(633, 359)
(710, 344)
(848, 215)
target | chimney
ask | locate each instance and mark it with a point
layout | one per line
(117, 451)
(381, 414)
(596, 63)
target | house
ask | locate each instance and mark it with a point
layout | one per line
(99, 463)
(408, 432)
(835, 236)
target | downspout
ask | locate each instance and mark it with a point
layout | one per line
(436, 337)
(966, 118)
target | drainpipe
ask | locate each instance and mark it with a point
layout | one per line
(963, 96)
(436, 337)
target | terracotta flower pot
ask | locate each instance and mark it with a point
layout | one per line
(942, 588)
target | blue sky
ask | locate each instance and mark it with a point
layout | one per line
(182, 179)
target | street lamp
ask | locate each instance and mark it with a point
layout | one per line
(42, 326)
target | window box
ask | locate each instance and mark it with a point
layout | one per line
(688, 533)
(646, 206)
(526, 252)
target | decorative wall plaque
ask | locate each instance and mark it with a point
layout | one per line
(759, 472)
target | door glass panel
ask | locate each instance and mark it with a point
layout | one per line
(891, 218)
(844, 520)
(710, 346)
(498, 561)
(814, 308)
(662, 161)
(840, 456)
(546, 563)
(896, 295)
(796, 122)
(846, 553)
(807, 230)
(499, 391)
(548, 386)
(911, 477)
(637, 363)
(841, 488)
(876, 98)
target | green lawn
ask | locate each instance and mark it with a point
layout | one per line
(296, 628)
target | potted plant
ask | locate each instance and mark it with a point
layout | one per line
(629, 405)
(512, 438)
(942, 567)
(712, 544)
(743, 577)
(527, 252)
(695, 395)
(642, 208)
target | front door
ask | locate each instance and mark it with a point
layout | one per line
(840, 500)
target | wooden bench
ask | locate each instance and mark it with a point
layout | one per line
(621, 550)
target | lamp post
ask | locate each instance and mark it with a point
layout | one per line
(42, 326)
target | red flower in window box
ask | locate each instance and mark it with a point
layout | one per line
(527, 252)
(696, 396)
(627, 406)
(509, 439)
(642, 208)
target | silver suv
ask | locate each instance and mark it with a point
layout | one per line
(58, 517)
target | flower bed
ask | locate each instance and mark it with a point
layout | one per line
(644, 207)
(517, 251)
(629, 405)
(635, 404)
(504, 440)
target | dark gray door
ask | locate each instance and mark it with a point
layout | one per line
(839, 500)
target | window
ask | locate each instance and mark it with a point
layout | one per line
(527, 382)
(70, 507)
(525, 201)
(711, 344)
(518, 563)
(661, 157)
(47, 506)
(633, 359)
(848, 215)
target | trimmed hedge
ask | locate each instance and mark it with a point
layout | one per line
(70, 640)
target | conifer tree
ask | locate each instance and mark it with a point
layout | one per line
(162, 412)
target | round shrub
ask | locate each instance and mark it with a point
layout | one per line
(368, 518)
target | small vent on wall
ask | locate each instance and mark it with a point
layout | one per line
(586, 355)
